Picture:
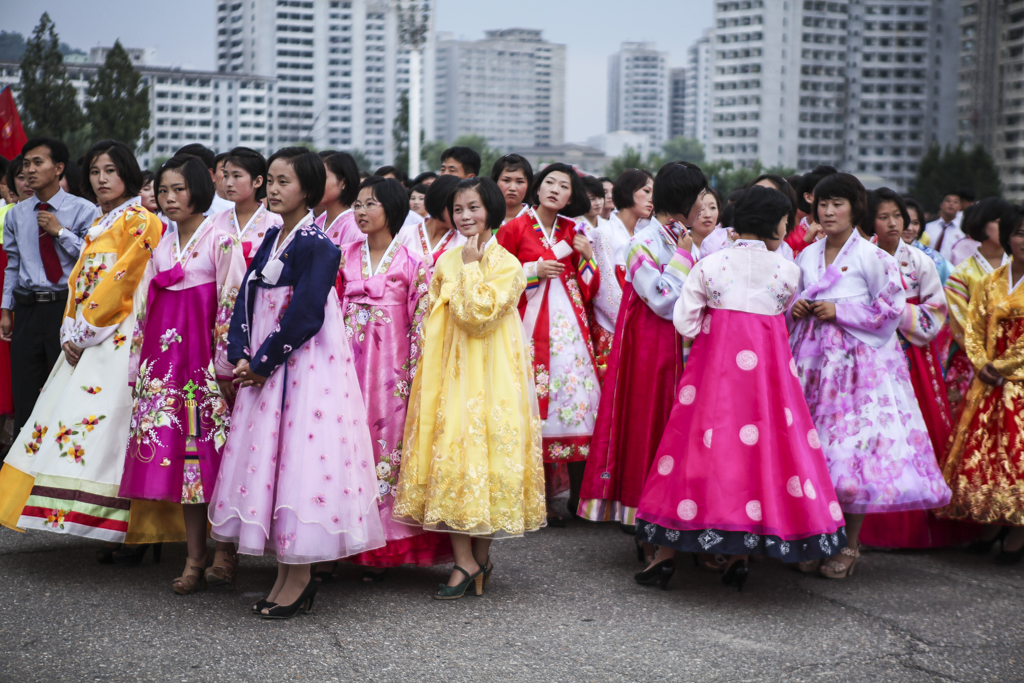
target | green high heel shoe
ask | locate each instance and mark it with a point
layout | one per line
(487, 568)
(446, 592)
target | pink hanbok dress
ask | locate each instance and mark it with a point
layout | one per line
(252, 233)
(383, 312)
(298, 479)
(415, 238)
(180, 419)
(343, 228)
(857, 383)
(740, 469)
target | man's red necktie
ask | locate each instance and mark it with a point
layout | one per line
(48, 251)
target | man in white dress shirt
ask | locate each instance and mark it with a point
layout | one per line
(945, 232)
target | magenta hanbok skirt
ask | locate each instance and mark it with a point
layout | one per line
(740, 469)
(162, 462)
(297, 479)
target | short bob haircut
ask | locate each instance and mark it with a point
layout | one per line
(875, 199)
(435, 201)
(513, 162)
(393, 199)
(201, 152)
(253, 163)
(124, 161)
(421, 188)
(59, 153)
(14, 169)
(489, 194)
(593, 186)
(978, 215)
(809, 182)
(308, 168)
(1008, 224)
(759, 211)
(842, 186)
(467, 158)
(912, 203)
(343, 166)
(718, 197)
(197, 179)
(626, 185)
(578, 204)
(677, 187)
(424, 177)
(783, 186)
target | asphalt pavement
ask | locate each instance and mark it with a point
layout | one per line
(561, 606)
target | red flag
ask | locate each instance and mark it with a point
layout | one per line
(12, 135)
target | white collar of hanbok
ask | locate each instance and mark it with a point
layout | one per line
(104, 223)
(749, 244)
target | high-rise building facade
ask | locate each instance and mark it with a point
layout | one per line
(338, 67)
(697, 110)
(638, 91)
(677, 102)
(864, 85)
(219, 110)
(508, 87)
(990, 103)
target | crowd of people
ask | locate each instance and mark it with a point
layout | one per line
(303, 361)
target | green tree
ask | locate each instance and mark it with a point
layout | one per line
(431, 152)
(118, 105)
(678, 149)
(362, 161)
(12, 45)
(400, 133)
(726, 177)
(630, 158)
(49, 104)
(942, 171)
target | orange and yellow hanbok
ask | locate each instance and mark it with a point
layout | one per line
(471, 459)
(985, 464)
(65, 466)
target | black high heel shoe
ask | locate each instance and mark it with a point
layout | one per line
(1006, 557)
(132, 555)
(303, 604)
(657, 575)
(984, 546)
(736, 574)
(374, 577)
(262, 604)
(106, 555)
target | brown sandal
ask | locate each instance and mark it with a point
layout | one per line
(192, 579)
(835, 569)
(224, 571)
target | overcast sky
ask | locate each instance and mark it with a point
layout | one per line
(183, 33)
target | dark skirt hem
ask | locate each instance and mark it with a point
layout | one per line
(722, 542)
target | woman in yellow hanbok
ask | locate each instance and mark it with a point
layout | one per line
(472, 462)
(984, 466)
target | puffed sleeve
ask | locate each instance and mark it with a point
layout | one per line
(688, 312)
(922, 321)
(875, 323)
(659, 290)
(976, 326)
(110, 301)
(316, 264)
(418, 307)
(479, 302)
(609, 294)
(229, 262)
(958, 299)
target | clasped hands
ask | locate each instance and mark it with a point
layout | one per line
(825, 311)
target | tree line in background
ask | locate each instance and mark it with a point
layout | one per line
(116, 102)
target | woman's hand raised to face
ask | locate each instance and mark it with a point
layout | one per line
(473, 251)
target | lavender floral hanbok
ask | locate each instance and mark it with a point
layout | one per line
(857, 384)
